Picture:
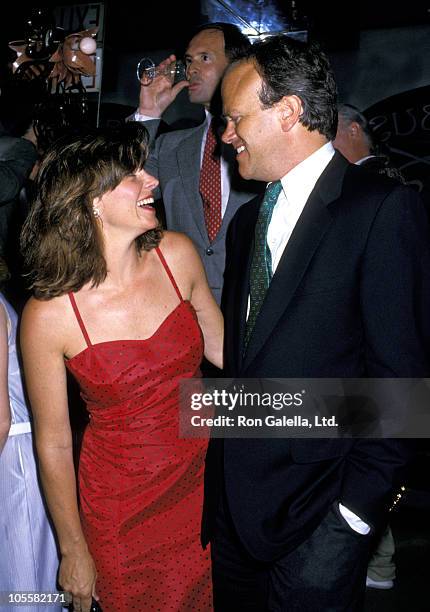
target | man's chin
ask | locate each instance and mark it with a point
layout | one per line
(245, 173)
(194, 98)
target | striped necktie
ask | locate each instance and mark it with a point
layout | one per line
(261, 266)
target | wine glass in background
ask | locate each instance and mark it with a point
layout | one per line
(146, 71)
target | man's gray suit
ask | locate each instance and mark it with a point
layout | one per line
(175, 161)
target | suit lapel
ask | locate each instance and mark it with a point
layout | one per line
(309, 231)
(228, 154)
(188, 157)
(245, 248)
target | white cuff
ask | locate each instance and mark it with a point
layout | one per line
(138, 117)
(354, 521)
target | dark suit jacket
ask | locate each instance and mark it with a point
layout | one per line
(17, 157)
(175, 161)
(350, 298)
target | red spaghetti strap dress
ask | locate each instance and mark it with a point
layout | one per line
(141, 487)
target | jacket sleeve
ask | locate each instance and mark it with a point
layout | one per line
(17, 157)
(395, 307)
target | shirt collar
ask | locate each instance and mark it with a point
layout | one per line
(363, 159)
(300, 181)
(209, 117)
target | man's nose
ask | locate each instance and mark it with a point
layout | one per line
(229, 133)
(192, 68)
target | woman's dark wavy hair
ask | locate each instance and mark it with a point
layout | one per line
(292, 67)
(61, 241)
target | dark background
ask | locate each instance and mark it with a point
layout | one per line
(156, 24)
(379, 50)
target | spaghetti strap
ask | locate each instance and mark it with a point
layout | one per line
(169, 273)
(79, 318)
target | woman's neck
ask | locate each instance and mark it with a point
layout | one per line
(122, 262)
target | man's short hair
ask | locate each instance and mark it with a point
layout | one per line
(235, 42)
(351, 114)
(292, 67)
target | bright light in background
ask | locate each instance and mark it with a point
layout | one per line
(256, 18)
(249, 31)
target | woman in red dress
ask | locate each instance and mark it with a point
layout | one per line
(127, 310)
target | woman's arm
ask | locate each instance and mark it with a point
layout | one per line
(208, 312)
(4, 392)
(42, 333)
(209, 315)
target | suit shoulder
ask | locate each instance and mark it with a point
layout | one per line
(369, 179)
(370, 186)
(371, 194)
(173, 137)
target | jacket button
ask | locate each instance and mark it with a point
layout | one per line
(209, 251)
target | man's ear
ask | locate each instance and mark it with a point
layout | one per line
(354, 130)
(290, 109)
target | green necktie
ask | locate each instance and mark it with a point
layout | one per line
(261, 266)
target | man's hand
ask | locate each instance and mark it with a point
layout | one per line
(158, 95)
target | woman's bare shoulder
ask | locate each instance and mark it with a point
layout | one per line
(46, 308)
(46, 316)
(176, 245)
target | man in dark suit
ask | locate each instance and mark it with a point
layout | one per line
(327, 276)
(178, 157)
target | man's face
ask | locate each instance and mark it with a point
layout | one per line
(253, 131)
(206, 62)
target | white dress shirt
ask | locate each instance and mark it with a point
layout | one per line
(225, 177)
(298, 183)
(296, 189)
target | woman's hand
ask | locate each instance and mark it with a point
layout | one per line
(78, 576)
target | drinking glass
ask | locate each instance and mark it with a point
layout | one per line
(146, 71)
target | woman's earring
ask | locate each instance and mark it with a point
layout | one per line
(96, 211)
